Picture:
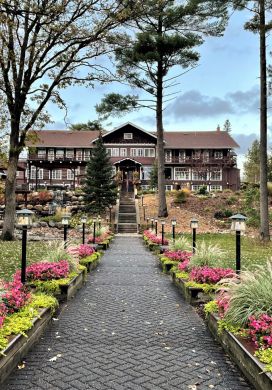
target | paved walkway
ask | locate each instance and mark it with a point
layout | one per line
(127, 329)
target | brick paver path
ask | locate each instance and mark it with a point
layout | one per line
(128, 328)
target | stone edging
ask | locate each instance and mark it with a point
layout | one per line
(20, 345)
(251, 367)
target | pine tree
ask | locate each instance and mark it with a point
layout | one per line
(154, 176)
(252, 163)
(227, 126)
(99, 187)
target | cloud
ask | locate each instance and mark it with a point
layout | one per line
(194, 104)
(245, 141)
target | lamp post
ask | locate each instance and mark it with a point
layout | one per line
(94, 226)
(174, 222)
(110, 207)
(194, 226)
(152, 223)
(83, 221)
(65, 223)
(24, 219)
(144, 207)
(142, 199)
(156, 227)
(162, 230)
(147, 223)
(99, 221)
(238, 224)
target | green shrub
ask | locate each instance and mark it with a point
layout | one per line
(208, 255)
(210, 307)
(202, 191)
(180, 244)
(251, 296)
(265, 356)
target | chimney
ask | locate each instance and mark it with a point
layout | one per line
(218, 128)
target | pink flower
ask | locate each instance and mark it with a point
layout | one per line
(47, 270)
(260, 330)
(210, 275)
(155, 239)
(179, 255)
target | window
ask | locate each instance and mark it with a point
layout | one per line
(51, 154)
(113, 171)
(216, 174)
(79, 154)
(214, 187)
(59, 154)
(196, 154)
(182, 155)
(56, 174)
(71, 174)
(145, 173)
(41, 153)
(199, 175)
(196, 187)
(182, 173)
(115, 152)
(123, 152)
(206, 156)
(145, 187)
(218, 155)
(168, 155)
(86, 155)
(33, 173)
(168, 187)
(136, 152)
(108, 151)
(128, 136)
(168, 173)
(70, 153)
(149, 152)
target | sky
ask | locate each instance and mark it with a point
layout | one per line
(224, 85)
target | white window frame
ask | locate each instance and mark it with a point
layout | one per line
(215, 187)
(51, 154)
(41, 153)
(115, 152)
(55, 173)
(168, 187)
(168, 156)
(86, 154)
(108, 150)
(59, 154)
(136, 152)
(199, 176)
(218, 155)
(182, 155)
(216, 174)
(70, 153)
(196, 154)
(184, 176)
(70, 173)
(196, 187)
(123, 152)
(79, 154)
(145, 186)
(33, 173)
(149, 152)
(206, 155)
(128, 135)
(171, 168)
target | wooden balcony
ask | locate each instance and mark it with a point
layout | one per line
(225, 161)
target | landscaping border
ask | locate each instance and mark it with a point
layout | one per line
(69, 290)
(20, 345)
(250, 366)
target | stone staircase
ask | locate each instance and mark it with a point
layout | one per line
(127, 222)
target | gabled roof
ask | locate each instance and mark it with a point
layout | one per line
(126, 124)
(199, 140)
(127, 159)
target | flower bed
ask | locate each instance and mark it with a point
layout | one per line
(20, 329)
(242, 311)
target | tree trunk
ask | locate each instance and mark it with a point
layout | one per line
(10, 198)
(162, 209)
(264, 214)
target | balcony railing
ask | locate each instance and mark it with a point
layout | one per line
(35, 157)
(228, 160)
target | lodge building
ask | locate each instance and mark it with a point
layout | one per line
(192, 159)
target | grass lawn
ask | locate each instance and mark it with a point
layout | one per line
(253, 252)
(10, 256)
